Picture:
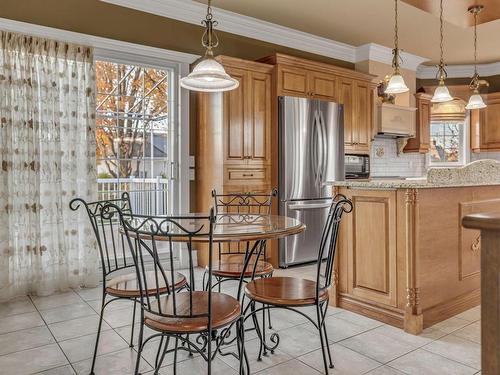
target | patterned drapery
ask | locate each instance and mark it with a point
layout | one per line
(47, 157)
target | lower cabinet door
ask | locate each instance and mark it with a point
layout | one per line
(371, 251)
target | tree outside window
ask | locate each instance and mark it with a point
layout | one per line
(447, 143)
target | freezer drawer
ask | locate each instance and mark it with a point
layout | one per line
(304, 247)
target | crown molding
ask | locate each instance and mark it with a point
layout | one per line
(103, 47)
(460, 71)
(377, 52)
(234, 23)
(192, 12)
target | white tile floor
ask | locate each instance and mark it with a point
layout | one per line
(55, 335)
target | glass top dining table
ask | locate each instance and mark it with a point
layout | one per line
(234, 227)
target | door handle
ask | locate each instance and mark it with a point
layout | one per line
(247, 174)
(308, 206)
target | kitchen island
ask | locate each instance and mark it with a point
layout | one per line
(403, 257)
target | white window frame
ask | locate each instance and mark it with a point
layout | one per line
(124, 52)
(465, 148)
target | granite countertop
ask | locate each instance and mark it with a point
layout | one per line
(403, 184)
(478, 173)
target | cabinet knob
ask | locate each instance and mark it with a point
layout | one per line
(247, 174)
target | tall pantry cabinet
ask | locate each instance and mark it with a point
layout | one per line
(233, 151)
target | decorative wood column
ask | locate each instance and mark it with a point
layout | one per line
(489, 224)
(413, 318)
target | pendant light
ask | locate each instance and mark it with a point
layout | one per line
(209, 75)
(396, 83)
(475, 101)
(441, 94)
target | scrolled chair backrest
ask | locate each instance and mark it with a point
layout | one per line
(243, 203)
(156, 278)
(110, 242)
(329, 238)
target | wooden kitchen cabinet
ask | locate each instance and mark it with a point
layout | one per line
(485, 125)
(355, 90)
(357, 98)
(247, 118)
(422, 140)
(371, 245)
(234, 129)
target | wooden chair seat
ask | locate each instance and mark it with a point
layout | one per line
(126, 286)
(234, 268)
(225, 310)
(284, 291)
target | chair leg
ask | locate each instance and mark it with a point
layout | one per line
(139, 343)
(326, 338)
(103, 305)
(240, 329)
(257, 330)
(322, 339)
(175, 354)
(270, 326)
(264, 328)
(203, 283)
(133, 325)
(209, 353)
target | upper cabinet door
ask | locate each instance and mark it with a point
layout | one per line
(346, 98)
(490, 124)
(292, 81)
(258, 120)
(362, 97)
(323, 86)
(234, 119)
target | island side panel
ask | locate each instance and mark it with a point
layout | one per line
(367, 260)
(448, 254)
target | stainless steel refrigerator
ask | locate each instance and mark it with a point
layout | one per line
(311, 154)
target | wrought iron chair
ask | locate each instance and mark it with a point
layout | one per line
(190, 313)
(230, 260)
(290, 293)
(119, 279)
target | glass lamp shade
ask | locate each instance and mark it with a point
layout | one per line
(475, 102)
(209, 76)
(396, 85)
(441, 94)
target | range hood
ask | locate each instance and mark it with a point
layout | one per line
(395, 121)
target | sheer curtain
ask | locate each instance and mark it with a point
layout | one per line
(47, 156)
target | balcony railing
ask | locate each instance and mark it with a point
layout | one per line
(148, 196)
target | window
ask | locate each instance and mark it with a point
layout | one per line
(448, 143)
(134, 134)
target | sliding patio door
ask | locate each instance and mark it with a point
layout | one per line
(137, 136)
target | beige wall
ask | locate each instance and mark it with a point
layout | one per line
(381, 70)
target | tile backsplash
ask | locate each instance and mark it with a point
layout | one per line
(485, 155)
(385, 160)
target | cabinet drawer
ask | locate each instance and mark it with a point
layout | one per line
(247, 175)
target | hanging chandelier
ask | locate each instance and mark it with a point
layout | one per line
(396, 83)
(475, 101)
(209, 75)
(441, 94)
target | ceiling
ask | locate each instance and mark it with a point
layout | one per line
(456, 10)
(358, 22)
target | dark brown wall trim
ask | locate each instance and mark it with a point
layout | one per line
(111, 21)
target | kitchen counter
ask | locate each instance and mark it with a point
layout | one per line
(403, 256)
(381, 183)
(479, 173)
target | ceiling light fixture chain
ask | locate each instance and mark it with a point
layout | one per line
(475, 100)
(396, 83)
(395, 52)
(441, 94)
(209, 40)
(474, 85)
(442, 74)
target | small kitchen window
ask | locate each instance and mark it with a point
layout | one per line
(448, 143)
